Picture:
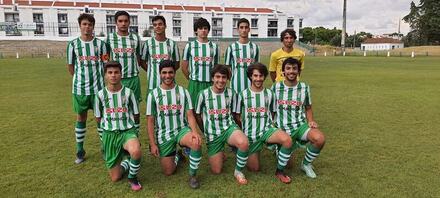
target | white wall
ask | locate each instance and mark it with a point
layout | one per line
(381, 46)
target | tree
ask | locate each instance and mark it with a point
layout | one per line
(424, 21)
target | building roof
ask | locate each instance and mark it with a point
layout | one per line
(78, 4)
(381, 40)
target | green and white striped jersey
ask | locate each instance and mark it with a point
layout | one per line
(87, 58)
(116, 109)
(169, 107)
(201, 57)
(217, 111)
(154, 52)
(256, 110)
(239, 57)
(290, 103)
(125, 50)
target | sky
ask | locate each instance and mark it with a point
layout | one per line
(374, 16)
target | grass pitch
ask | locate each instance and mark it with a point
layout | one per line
(380, 117)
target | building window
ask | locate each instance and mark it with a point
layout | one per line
(254, 23)
(177, 27)
(111, 24)
(234, 26)
(177, 23)
(217, 27)
(63, 26)
(290, 23)
(177, 15)
(38, 20)
(254, 35)
(272, 28)
(11, 30)
(134, 24)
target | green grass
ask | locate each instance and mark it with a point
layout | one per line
(380, 117)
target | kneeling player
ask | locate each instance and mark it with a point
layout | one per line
(169, 113)
(294, 113)
(117, 112)
(216, 103)
(255, 105)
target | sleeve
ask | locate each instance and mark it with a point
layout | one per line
(257, 53)
(188, 102)
(239, 103)
(308, 99)
(273, 63)
(216, 56)
(228, 56)
(200, 103)
(98, 106)
(274, 97)
(176, 55)
(145, 52)
(138, 45)
(233, 101)
(271, 101)
(187, 52)
(70, 54)
(151, 105)
(133, 103)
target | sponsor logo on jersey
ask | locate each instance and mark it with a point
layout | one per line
(116, 110)
(123, 50)
(218, 111)
(256, 110)
(160, 56)
(88, 58)
(202, 58)
(170, 107)
(289, 102)
(245, 60)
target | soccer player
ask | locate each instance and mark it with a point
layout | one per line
(255, 107)
(117, 112)
(239, 55)
(85, 57)
(216, 104)
(294, 113)
(169, 113)
(200, 55)
(157, 49)
(277, 58)
(125, 48)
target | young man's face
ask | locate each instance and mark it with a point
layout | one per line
(122, 23)
(291, 72)
(86, 27)
(159, 27)
(243, 30)
(257, 79)
(167, 75)
(202, 32)
(288, 40)
(219, 81)
(113, 76)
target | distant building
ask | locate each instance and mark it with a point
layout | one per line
(376, 44)
(57, 19)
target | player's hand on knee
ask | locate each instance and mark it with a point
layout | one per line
(195, 138)
(154, 150)
(313, 124)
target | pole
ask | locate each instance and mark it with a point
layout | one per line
(344, 25)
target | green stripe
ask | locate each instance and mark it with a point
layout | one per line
(170, 112)
(115, 45)
(125, 57)
(178, 93)
(124, 115)
(195, 70)
(204, 64)
(154, 69)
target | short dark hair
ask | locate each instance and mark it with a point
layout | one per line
(222, 69)
(243, 20)
(113, 64)
(121, 13)
(288, 31)
(87, 17)
(259, 67)
(200, 23)
(291, 61)
(159, 17)
(167, 63)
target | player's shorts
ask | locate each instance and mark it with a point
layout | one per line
(299, 136)
(134, 84)
(195, 87)
(168, 148)
(82, 103)
(256, 146)
(113, 143)
(218, 144)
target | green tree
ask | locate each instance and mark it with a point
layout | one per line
(424, 21)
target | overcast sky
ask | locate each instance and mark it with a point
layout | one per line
(375, 16)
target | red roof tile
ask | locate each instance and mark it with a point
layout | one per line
(173, 7)
(194, 8)
(120, 5)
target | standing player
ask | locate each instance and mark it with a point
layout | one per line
(157, 49)
(117, 112)
(216, 103)
(200, 55)
(240, 55)
(125, 48)
(277, 58)
(169, 113)
(85, 56)
(294, 113)
(255, 105)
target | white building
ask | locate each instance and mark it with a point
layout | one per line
(57, 20)
(377, 44)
